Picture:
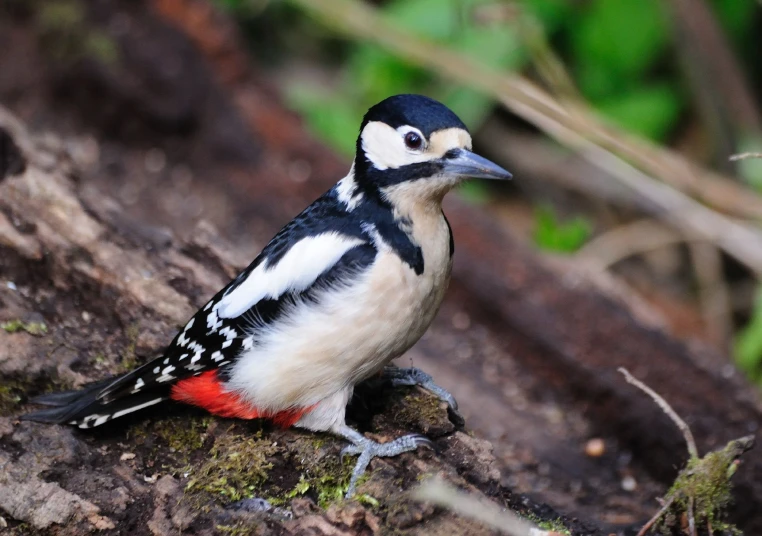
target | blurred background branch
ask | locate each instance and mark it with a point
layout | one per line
(609, 107)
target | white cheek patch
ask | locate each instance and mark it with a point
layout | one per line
(385, 147)
(296, 271)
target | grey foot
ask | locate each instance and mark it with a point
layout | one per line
(252, 505)
(369, 449)
(256, 504)
(414, 376)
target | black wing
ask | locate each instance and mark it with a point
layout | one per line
(210, 342)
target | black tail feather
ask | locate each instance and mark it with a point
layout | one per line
(68, 406)
(64, 398)
(83, 408)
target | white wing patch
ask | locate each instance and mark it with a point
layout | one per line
(294, 272)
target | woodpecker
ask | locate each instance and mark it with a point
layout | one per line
(344, 288)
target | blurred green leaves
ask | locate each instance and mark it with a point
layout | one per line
(622, 39)
(748, 343)
(615, 47)
(648, 110)
(616, 51)
(370, 74)
(737, 16)
(561, 237)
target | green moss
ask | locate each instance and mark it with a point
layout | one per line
(182, 434)
(244, 466)
(706, 482)
(238, 529)
(33, 328)
(172, 440)
(100, 46)
(420, 407)
(68, 35)
(237, 467)
(323, 476)
(60, 15)
(367, 500)
(130, 358)
(10, 396)
(138, 433)
(13, 391)
(325, 482)
(549, 525)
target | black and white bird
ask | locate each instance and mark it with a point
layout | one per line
(344, 288)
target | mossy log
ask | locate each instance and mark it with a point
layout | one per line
(530, 351)
(104, 303)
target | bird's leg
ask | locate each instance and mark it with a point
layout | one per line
(414, 376)
(369, 449)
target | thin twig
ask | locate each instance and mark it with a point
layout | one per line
(634, 238)
(713, 293)
(655, 518)
(438, 492)
(575, 126)
(687, 434)
(691, 518)
(744, 156)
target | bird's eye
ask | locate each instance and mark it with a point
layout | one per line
(413, 140)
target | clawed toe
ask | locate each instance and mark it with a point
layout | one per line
(442, 394)
(455, 417)
(251, 505)
(422, 441)
(368, 449)
(350, 450)
(413, 376)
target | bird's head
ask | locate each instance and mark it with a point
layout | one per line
(415, 143)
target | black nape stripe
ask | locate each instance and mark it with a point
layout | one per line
(449, 230)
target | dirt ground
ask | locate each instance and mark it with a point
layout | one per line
(140, 162)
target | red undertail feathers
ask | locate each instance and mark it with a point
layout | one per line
(207, 391)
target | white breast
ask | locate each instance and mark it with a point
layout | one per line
(346, 335)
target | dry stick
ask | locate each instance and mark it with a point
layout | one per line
(535, 156)
(633, 238)
(642, 236)
(666, 408)
(655, 518)
(691, 519)
(366, 23)
(682, 211)
(575, 126)
(438, 492)
(744, 156)
(713, 293)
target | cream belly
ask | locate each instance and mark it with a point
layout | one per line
(321, 349)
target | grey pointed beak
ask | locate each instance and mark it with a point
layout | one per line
(468, 164)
